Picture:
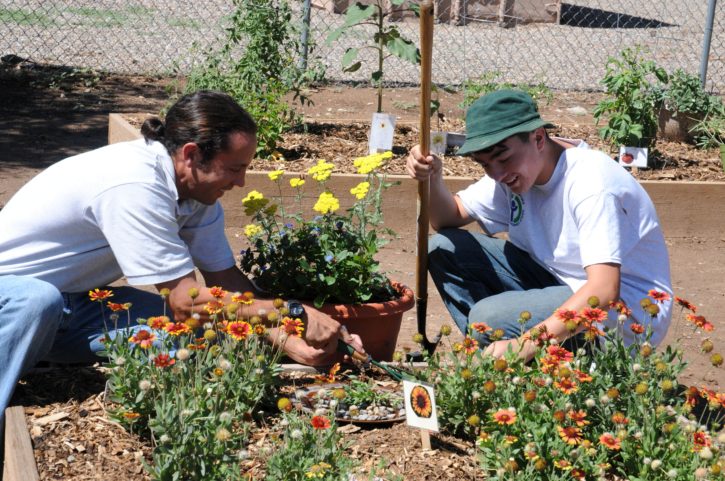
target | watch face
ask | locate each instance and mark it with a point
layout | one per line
(296, 310)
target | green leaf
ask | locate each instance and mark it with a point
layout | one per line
(353, 68)
(405, 49)
(377, 75)
(358, 12)
(334, 35)
(350, 55)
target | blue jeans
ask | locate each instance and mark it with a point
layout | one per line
(485, 279)
(38, 322)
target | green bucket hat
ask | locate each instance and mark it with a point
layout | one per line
(497, 116)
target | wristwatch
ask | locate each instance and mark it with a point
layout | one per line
(296, 309)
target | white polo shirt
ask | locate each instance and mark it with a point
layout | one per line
(591, 211)
(90, 219)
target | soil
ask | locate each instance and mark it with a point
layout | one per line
(49, 113)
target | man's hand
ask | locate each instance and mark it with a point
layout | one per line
(321, 331)
(524, 348)
(422, 168)
(301, 352)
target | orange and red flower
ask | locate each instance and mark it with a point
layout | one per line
(217, 292)
(658, 296)
(320, 422)
(700, 322)
(143, 338)
(157, 322)
(293, 327)
(565, 315)
(100, 294)
(214, 307)
(239, 330)
(686, 304)
(621, 308)
(636, 328)
(700, 440)
(480, 327)
(566, 385)
(578, 417)
(504, 416)
(594, 314)
(116, 307)
(619, 418)
(570, 434)
(609, 441)
(177, 328)
(243, 298)
(330, 376)
(470, 345)
(163, 360)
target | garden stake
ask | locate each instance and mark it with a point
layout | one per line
(421, 271)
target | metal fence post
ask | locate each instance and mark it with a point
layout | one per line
(706, 41)
(304, 38)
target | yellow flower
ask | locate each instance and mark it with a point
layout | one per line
(322, 171)
(275, 174)
(252, 230)
(296, 183)
(371, 162)
(254, 202)
(360, 190)
(327, 203)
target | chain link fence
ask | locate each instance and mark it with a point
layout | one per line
(564, 45)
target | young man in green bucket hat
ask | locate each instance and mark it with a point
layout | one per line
(578, 224)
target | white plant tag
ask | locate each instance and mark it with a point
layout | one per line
(420, 406)
(438, 142)
(633, 157)
(381, 133)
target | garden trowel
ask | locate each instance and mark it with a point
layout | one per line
(367, 360)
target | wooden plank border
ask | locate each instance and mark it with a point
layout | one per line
(19, 464)
(686, 209)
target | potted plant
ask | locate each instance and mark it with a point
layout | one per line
(328, 259)
(683, 104)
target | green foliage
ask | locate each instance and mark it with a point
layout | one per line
(710, 131)
(329, 258)
(386, 39)
(630, 83)
(610, 413)
(685, 96)
(364, 393)
(304, 452)
(475, 88)
(264, 73)
(195, 404)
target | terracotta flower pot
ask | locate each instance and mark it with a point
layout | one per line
(377, 324)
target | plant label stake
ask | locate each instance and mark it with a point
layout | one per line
(438, 142)
(420, 409)
(381, 133)
(633, 157)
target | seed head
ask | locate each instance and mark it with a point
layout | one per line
(182, 354)
(474, 420)
(707, 346)
(500, 365)
(284, 404)
(593, 301)
(193, 292)
(446, 330)
(716, 360)
(417, 338)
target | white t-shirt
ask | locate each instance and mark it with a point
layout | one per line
(591, 211)
(90, 219)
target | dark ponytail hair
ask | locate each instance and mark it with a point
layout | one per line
(206, 118)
